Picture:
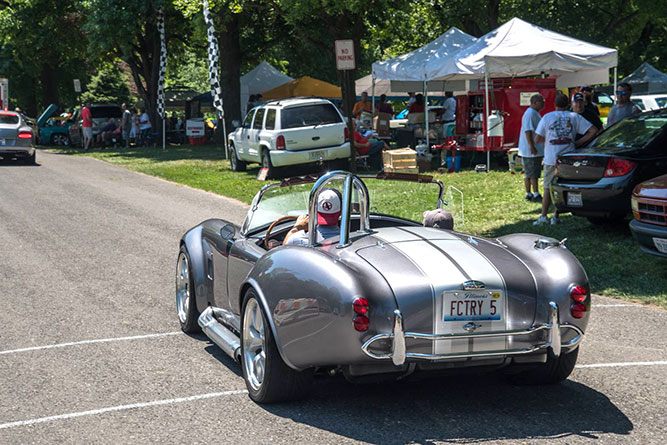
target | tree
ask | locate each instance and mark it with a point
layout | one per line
(108, 86)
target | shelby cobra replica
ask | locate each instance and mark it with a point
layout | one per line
(385, 298)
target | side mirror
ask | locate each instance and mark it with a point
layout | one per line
(236, 124)
(228, 232)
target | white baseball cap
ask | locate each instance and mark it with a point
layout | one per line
(328, 207)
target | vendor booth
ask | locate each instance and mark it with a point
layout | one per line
(647, 80)
(260, 79)
(304, 87)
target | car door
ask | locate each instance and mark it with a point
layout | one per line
(242, 136)
(254, 151)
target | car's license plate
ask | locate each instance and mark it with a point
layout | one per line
(660, 244)
(574, 199)
(320, 154)
(473, 305)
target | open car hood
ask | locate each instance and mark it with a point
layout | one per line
(47, 114)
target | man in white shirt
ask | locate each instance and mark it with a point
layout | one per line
(328, 212)
(450, 107)
(531, 152)
(144, 126)
(558, 131)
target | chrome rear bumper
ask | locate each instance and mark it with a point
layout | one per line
(399, 352)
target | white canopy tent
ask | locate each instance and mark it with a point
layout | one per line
(262, 78)
(519, 48)
(417, 70)
(385, 86)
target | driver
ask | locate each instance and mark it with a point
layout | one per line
(328, 212)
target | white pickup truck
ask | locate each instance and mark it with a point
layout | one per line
(288, 132)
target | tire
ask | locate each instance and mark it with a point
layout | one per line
(60, 139)
(186, 303)
(237, 166)
(266, 375)
(555, 370)
(32, 159)
(266, 163)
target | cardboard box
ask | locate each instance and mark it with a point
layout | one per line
(381, 124)
(402, 160)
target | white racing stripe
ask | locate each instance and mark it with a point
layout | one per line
(617, 305)
(622, 364)
(119, 408)
(87, 342)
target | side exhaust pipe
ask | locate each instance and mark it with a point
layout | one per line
(219, 334)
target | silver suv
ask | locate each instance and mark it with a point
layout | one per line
(289, 132)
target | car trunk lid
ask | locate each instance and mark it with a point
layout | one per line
(445, 283)
(582, 168)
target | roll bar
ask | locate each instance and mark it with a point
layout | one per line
(350, 182)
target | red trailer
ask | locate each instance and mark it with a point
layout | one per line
(508, 98)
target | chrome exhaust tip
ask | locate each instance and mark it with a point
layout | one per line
(219, 334)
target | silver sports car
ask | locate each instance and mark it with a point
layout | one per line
(385, 298)
(16, 137)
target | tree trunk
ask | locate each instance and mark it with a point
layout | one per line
(49, 81)
(230, 76)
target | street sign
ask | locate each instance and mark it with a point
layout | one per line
(345, 55)
(4, 94)
(77, 86)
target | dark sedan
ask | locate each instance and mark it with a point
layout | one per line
(597, 181)
(649, 207)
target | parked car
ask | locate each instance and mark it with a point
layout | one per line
(289, 132)
(53, 130)
(597, 181)
(385, 298)
(650, 101)
(101, 114)
(17, 138)
(649, 207)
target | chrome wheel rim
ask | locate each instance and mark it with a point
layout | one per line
(59, 139)
(254, 344)
(182, 287)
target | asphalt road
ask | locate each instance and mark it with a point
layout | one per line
(90, 347)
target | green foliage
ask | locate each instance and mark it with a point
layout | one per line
(108, 86)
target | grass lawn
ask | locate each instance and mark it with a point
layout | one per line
(494, 206)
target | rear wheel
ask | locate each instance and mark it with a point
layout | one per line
(555, 370)
(267, 377)
(60, 139)
(236, 164)
(186, 305)
(266, 163)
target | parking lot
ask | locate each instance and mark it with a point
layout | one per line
(91, 350)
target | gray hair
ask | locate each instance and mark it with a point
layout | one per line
(535, 98)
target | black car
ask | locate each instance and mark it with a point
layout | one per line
(597, 181)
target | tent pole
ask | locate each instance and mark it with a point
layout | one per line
(428, 140)
(486, 121)
(372, 93)
(615, 77)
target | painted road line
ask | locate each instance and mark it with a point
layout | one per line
(621, 364)
(617, 305)
(119, 408)
(88, 342)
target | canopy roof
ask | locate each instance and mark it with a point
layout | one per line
(261, 78)
(303, 86)
(519, 48)
(647, 79)
(424, 63)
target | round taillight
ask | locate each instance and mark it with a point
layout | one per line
(578, 310)
(578, 294)
(360, 306)
(361, 323)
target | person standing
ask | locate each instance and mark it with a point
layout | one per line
(363, 105)
(126, 125)
(87, 125)
(531, 152)
(558, 130)
(383, 106)
(449, 115)
(144, 126)
(624, 106)
(590, 107)
(579, 107)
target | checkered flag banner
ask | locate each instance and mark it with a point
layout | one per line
(163, 64)
(213, 56)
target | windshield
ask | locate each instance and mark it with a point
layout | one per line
(309, 115)
(292, 200)
(633, 132)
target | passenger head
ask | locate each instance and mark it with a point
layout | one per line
(438, 218)
(328, 207)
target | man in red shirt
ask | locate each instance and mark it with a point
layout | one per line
(87, 125)
(372, 149)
